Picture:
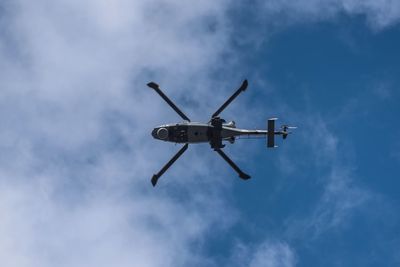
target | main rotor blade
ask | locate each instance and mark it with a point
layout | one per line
(238, 91)
(156, 88)
(156, 176)
(242, 175)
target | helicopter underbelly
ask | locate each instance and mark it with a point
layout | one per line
(183, 133)
(192, 133)
(197, 133)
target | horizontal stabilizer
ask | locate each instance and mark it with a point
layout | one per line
(271, 132)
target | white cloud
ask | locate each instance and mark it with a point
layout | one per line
(76, 117)
(380, 14)
(273, 255)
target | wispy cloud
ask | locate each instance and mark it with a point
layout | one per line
(341, 195)
(379, 14)
(270, 253)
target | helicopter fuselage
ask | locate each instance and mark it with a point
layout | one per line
(195, 132)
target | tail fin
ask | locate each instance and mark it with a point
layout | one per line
(271, 132)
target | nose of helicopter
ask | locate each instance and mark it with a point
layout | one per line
(160, 133)
(154, 133)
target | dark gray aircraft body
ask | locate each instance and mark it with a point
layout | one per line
(215, 132)
(195, 132)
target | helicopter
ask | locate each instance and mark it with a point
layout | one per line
(215, 132)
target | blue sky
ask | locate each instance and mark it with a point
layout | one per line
(77, 155)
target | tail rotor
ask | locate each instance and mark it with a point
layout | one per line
(285, 132)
